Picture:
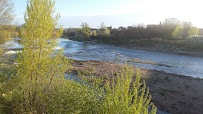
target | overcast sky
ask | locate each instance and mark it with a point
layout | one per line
(121, 12)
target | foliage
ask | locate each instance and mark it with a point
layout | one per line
(178, 32)
(123, 95)
(94, 33)
(103, 30)
(193, 32)
(6, 32)
(184, 31)
(85, 30)
(4, 36)
(74, 97)
(106, 31)
(7, 69)
(40, 69)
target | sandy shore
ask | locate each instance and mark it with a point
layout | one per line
(172, 93)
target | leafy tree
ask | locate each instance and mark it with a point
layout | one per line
(94, 33)
(85, 30)
(106, 31)
(79, 31)
(178, 32)
(40, 70)
(103, 30)
(193, 32)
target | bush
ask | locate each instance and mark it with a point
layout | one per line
(119, 94)
(124, 95)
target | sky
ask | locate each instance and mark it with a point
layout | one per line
(118, 13)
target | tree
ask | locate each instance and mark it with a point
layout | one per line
(168, 27)
(103, 26)
(6, 18)
(178, 32)
(171, 21)
(40, 70)
(106, 31)
(193, 32)
(94, 33)
(103, 30)
(85, 30)
(186, 29)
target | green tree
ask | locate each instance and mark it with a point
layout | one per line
(85, 30)
(193, 32)
(178, 32)
(94, 33)
(40, 70)
(103, 30)
(106, 31)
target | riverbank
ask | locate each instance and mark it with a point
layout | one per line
(160, 46)
(172, 93)
(167, 49)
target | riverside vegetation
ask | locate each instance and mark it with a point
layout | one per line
(36, 83)
(171, 33)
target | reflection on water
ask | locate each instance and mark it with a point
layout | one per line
(184, 65)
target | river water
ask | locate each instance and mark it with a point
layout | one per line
(177, 64)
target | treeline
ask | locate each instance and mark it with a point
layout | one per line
(169, 31)
(87, 33)
(171, 28)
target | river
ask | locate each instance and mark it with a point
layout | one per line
(171, 63)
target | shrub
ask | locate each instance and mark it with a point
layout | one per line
(124, 95)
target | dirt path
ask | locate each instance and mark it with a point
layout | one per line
(170, 92)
